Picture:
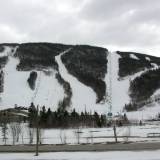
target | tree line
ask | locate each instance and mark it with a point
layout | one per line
(64, 119)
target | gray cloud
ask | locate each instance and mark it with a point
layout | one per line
(118, 24)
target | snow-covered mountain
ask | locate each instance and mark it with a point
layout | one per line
(81, 77)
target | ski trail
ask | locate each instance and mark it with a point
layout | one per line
(37, 87)
(120, 87)
(48, 91)
(16, 90)
(84, 98)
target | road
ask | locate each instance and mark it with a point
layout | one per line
(83, 148)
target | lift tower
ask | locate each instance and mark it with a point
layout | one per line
(109, 114)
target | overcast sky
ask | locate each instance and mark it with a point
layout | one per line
(116, 24)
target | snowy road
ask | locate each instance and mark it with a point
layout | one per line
(146, 155)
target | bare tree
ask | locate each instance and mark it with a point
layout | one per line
(23, 127)
(4, 132)
(13, 130)
(31, 133)
(18, 131)
(63, 136)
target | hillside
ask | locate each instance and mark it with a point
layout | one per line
(77, 76)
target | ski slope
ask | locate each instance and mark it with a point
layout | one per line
(83, 98)
(120, 91)
(120, 87)
(48, 92)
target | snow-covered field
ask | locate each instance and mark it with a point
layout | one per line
(123, 155)
(87, 135)
(101, 135)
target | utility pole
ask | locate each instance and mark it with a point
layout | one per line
(115, 133)
(37, 133)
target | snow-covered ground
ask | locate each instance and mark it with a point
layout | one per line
(148, 59)
(134, 56)
(101, 135)
(88, 135)
(48, 91)
(116, 155)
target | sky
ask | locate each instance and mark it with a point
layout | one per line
(127, 25)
